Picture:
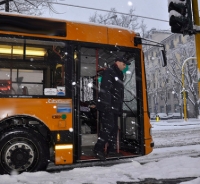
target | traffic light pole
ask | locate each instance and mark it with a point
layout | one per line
(183, 22)
(195, 9)
(183, 88)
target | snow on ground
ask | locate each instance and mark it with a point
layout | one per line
(167, 167)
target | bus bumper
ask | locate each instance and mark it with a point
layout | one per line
(63, 154)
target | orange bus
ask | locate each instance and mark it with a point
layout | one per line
(49, 80)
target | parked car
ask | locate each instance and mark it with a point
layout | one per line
(153, 116)
(163, 116)
(170, 115)
(177, 115)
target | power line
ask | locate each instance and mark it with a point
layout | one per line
(108, 11)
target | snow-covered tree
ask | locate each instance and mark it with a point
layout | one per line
(143, 28)
(164, 84)
(153, 85)
(124, 20)
(29, 7)
(176, 57)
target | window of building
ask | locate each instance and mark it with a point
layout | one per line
(161, 108)
(168, 95)
(180, 39)
(175, 95)
(171, 46)
(169, 109)
(176, 108)
(153, 76)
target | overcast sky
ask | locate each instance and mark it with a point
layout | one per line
(148, 8)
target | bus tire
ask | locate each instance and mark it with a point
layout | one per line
(22, 149)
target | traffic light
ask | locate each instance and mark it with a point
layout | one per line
(186, 94)
(180, 16)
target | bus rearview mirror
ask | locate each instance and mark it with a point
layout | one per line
(163, 58)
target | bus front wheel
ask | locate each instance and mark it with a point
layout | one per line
(22, 149)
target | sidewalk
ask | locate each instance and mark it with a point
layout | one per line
(176, 122)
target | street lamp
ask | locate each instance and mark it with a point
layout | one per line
(183, 88)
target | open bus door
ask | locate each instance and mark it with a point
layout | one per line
(87, 120)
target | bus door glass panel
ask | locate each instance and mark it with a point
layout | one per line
(88, 112)
(130, 125)
(130, 101)
(93, 62)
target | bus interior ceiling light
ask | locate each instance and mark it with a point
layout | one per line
(31, 51)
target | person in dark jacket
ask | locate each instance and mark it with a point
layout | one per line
(109, 105)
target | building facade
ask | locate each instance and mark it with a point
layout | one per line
(164, 84)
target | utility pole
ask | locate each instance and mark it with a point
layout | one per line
(184, 19)
(184, 92)
(197, 38)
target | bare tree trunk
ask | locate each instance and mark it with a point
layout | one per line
(7, 6)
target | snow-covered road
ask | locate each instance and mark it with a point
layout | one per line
(176, 155)
(174, 139)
